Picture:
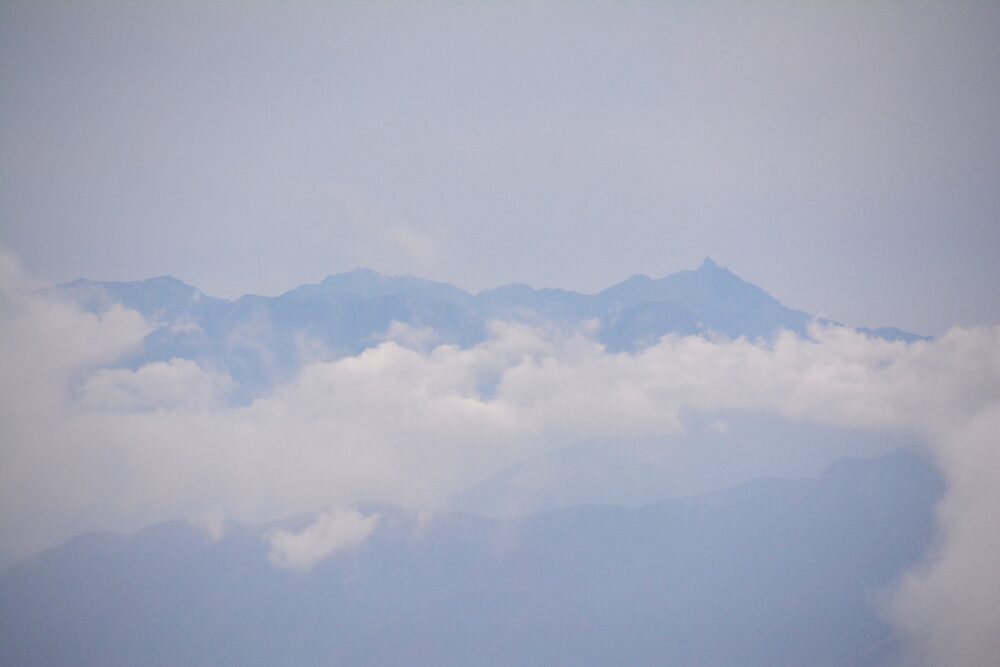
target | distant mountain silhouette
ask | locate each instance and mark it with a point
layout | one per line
(258, 340)
(163, 298)
(714, 451)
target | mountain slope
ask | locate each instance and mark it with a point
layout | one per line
(715, 451)
(721, 299)
(774, 572)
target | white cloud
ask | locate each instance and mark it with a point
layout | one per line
(417, 338)
(179, 383)
(949, 609)
(331, 533)
(46, 346)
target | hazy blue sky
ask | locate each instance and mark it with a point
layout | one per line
(845, 156)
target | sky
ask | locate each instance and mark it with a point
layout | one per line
(844, 156)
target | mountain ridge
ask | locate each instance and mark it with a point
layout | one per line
(667, 582)
(692, 289)
(347, 312)
(362, 275)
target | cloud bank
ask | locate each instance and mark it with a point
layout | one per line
(410, 423)
(949, 608)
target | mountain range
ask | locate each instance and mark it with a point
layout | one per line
(258, 340)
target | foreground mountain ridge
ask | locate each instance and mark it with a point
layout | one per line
(772, 572)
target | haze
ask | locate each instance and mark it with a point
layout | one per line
(282, 384)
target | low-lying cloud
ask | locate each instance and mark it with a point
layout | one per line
(949, 608)
(179, 383)
(331, 533)
(409, 423)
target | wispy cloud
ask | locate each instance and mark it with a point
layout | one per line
(331, 533)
